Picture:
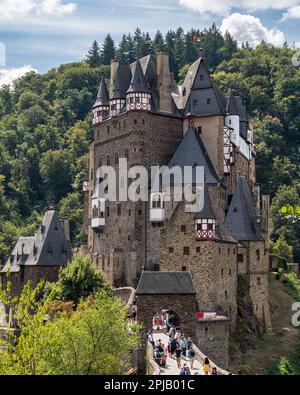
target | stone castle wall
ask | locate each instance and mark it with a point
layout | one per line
(212, 264)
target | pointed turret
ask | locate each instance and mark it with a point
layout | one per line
(101, 107)
(231, 108)
(206, 220)
(138, 97)
(241, 221)
(102, 96)
(204, 97)
(119, 94)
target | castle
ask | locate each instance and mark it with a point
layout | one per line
(149, 120)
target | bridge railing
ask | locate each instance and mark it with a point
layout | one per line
(201, 357)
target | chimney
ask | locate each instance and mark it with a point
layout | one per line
(66, 227)
(164, 81)
(113, 75)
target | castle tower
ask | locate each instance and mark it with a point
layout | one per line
(138, 96)
(244, 225)
(101, 107)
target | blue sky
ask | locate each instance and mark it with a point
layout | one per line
(45, 33)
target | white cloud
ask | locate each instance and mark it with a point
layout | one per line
(7, 76)
(224, 7)
(14, 9)
(249, 28)
(292, 13)
(55, 7)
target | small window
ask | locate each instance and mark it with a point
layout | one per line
(119, 209)
(107, 211)
(140, 213)
(226, 295)
(183, 228)
(195, 102)
(108, 129)
(222, 272)
(129, 213)
(258, 281)
(257, 255)
(135, 121)
(219, 250)
(198, 249)
(108, 160)
(208, 101)
(128, 237)
(116, 158)
(171, 250)
(229, 272)
(228, 250)
(201, 78)
(186, 250)
(240, 258)
(200, 129)
(120, 231)
(184, 268)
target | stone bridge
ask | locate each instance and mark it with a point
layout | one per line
(165, 291)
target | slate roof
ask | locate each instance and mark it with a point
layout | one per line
(122, 83)
(240, 219)
(102, 96)
(191, 152)
(138, 82)
(231, 107)
(34, 251)
(207, 211)
(166, 283)
(202, 95)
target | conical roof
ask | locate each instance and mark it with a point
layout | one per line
(231, 107)
(191, 152)
(240, 220)
(122, 83)
(102, 96)
(138, 82)
(207, 211)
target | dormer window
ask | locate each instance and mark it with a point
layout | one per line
(205, 229)
(49, 251)
(208, 101)
(201, 78)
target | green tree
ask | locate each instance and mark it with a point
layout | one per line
(282, 249)
(71, 207)
(79, 280)
(93, 57)
(55, 168)
(108, 52)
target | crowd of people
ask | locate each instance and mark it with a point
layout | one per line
(179, 346)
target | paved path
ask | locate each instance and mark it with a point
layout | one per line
(171, 367)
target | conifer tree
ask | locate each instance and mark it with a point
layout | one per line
(159, 43)
(108, 52)
(93, 57)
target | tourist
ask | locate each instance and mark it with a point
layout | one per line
(189, 343)
(206, 366)
(164, 356)
(185, 371)
(150, 338)
(174, 345)
(172, 332)
(157, 357)
(133, 312)
(178, 353)
(183, 344)
(192, 357)
(214, 371)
